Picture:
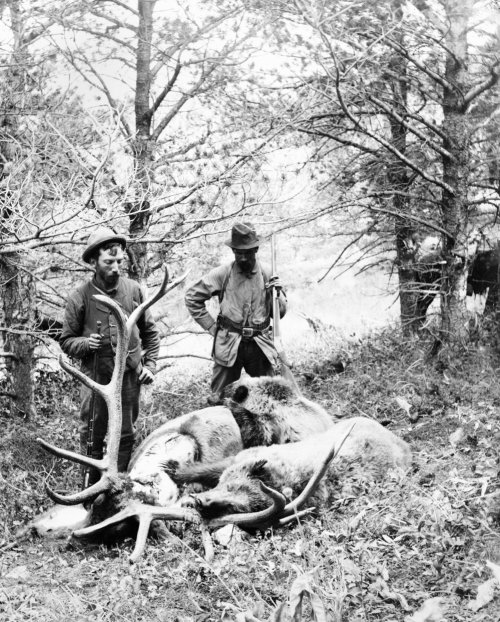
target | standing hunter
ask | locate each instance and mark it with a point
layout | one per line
(81, 339)
(242, 331)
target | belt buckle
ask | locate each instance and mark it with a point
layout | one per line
(247, 332)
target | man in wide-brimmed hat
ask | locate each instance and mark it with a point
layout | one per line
(242, 331)
(80, 339)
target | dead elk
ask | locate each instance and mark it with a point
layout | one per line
(146, 492)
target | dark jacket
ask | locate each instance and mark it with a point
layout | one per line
(83, 312)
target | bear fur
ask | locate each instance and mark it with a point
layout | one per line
(269, 411)
(369, 448)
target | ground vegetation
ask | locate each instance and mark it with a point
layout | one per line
(413, 549)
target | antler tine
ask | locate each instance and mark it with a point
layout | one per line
(79, 375)
(255, 519)
(295, 516)
(70, 455)
(147, 513)
(136, 314)
(128, 512)
(316, 477)
(79, 497)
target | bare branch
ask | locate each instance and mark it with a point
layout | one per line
(483, 86)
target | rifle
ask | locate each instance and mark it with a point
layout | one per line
(284, 370)
(91, 416)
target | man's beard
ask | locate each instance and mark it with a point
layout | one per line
(112, 279)
(246, 265)
(109, 279)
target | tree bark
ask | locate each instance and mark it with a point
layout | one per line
(456, 171)
(399, 182)
(18, 310)
(17, 287)
(143, 147)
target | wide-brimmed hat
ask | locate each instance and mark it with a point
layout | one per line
(100, 237)
(243, 237)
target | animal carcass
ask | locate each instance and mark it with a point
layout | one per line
(250, 479)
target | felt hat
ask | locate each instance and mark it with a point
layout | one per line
(100, 237)
(243, 237)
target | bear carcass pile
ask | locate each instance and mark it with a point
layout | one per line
(249, 486)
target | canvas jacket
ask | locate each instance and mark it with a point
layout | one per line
(245, 301)
(83, 312)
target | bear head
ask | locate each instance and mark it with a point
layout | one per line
(238, 491)
(258, 405)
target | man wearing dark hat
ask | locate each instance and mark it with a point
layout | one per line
(105, 252)
(242, 332)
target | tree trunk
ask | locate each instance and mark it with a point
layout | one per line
(18, 311)
(17, 288)
(399, 183)
(496, 310)
(456, 170)
(408, 297)
(143, 147)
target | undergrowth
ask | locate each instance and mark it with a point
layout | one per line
(388, 551)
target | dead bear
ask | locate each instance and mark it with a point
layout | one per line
(368, 447)
(269, 411)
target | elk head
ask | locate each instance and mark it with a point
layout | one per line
(110, 481)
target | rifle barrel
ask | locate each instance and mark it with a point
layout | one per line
(91, 417)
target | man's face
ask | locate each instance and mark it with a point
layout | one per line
(108, 265)
(245, 259)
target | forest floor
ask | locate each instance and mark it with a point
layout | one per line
(419, 548)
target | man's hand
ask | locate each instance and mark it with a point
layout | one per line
(95, 342)
(146, 376)
(274, 281)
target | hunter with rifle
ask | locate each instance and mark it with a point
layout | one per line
(242, 332)
(89, 334)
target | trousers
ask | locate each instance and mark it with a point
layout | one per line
(250, 358)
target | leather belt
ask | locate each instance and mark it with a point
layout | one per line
(247, 332)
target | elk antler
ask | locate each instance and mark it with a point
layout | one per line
(145, 513)
(249, 519)
(111, 393)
